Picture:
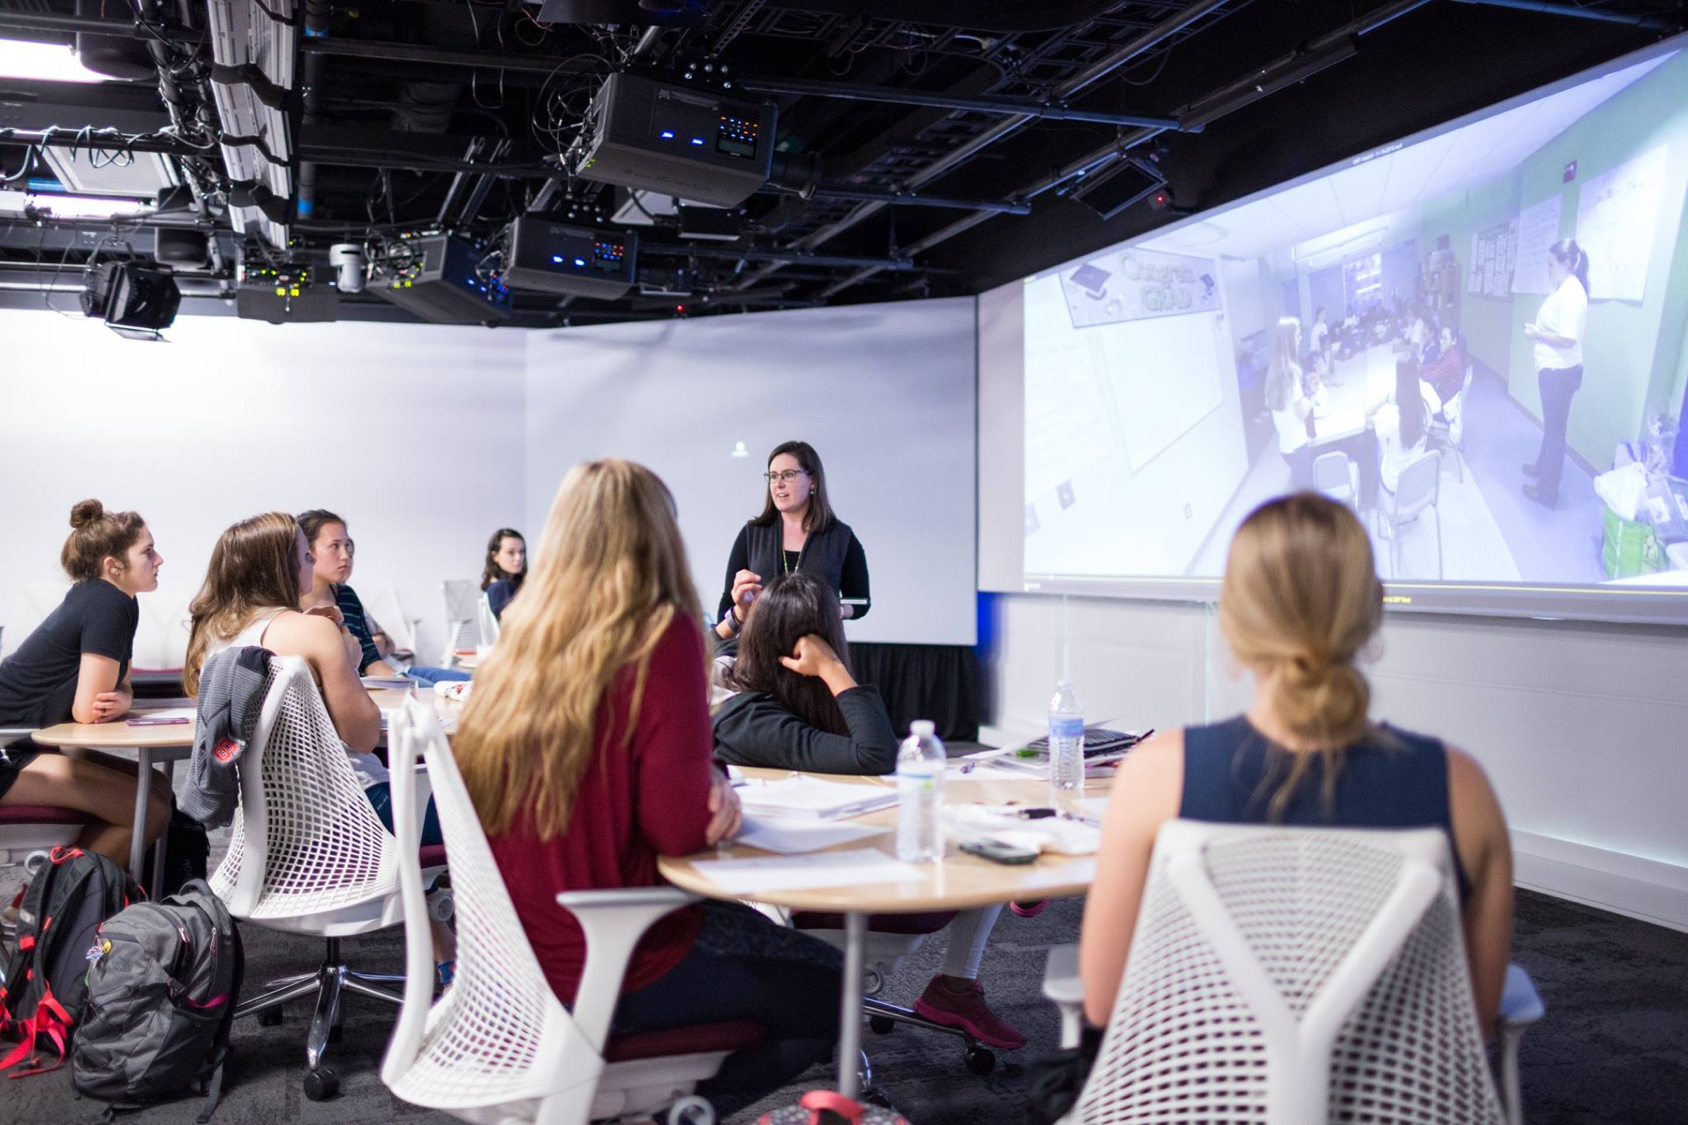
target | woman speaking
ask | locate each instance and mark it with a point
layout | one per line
(795, 532)
(1558, 334)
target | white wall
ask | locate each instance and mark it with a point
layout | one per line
(885, 394)
(411, 433)
(1583, 728)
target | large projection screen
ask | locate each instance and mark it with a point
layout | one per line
(1371, 331)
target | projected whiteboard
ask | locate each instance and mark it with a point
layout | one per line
(1164, 377)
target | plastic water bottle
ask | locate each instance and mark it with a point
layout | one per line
(1066, 742)
(920, 795)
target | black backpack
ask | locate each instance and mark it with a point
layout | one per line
(45, 986)
(162, 989)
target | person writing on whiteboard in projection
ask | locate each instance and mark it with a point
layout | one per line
(1291, 408)
(796, 531)
(1558, 335)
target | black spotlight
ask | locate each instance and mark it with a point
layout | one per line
(129, 296)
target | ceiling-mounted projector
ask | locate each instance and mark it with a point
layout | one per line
(699, 144)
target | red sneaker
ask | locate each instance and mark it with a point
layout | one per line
(941, 1004)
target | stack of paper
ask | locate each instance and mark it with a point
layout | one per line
(801, 796)
(764, 874)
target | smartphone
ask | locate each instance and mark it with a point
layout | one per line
(998, 852)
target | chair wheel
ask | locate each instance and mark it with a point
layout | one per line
(691, 1110)
(980, 1061)
(270, 1017)
(882, 1025)
(321, 1084)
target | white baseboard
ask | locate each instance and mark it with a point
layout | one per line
(1647, 889)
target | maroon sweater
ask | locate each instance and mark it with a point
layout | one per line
(646, 798)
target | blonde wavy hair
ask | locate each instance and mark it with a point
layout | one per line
(1299, 604)
(610, 577)
(254, 566)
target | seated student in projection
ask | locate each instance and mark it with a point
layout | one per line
(1300, 602)
(1446, 373)
(1402, 425)
(75, 668)
(797, 706)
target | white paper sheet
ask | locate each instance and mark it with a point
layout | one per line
(859, 866)
(812, 797)
(160, 714)
(794, 837)
(1617, 214)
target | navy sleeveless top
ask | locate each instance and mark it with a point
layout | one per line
(1403, 784)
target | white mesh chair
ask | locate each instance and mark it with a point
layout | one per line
(462, 619)
(486, 620)
(1283, 976)
(499, 1046)
(307, 855)
(1418, 488)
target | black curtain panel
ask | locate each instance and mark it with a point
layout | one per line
(937, 682)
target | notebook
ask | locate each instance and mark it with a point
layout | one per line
(802, 796)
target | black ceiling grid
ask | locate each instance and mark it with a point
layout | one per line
(411, 116)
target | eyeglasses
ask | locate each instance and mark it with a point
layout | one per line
(787, 476)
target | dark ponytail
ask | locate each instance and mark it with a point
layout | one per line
(1573, 257)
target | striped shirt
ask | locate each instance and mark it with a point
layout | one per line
(351, 608)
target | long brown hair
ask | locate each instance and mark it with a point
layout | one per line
(612, 575)
(254, 567)
(1284, 367)
(818, 516)
(491, 572)
(792, 606)
(97, 535)
(1299, 602)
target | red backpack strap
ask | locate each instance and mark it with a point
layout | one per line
(815, 1101)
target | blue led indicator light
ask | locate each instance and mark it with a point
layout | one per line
(667, 134)
(580, 261)
(697, 140)
(557, 259)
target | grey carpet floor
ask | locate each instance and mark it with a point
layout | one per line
(1613, 1049)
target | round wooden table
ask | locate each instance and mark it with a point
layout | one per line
(958, 881)
(165, 744)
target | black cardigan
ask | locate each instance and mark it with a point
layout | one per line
(754, 729)
(836, 544)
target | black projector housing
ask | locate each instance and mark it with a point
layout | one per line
(692, 143)
(441, 286)
(573, 261)
(293, 292)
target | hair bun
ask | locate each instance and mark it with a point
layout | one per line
(86, 513)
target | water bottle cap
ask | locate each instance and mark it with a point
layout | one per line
(921, 727)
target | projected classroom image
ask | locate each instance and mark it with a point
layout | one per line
(1411, 334)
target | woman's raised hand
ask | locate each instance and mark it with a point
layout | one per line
(746, 585)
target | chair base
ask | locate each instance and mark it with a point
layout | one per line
(883, 1016)
(331, 980)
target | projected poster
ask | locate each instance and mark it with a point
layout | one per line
(1174, 384)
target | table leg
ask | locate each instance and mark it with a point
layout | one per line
(143, 787)
(158, 853)
(850, 1011)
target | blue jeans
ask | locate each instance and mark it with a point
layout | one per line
(380, 795)
(744, 967)
(428, 677)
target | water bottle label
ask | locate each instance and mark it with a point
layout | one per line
(1066, 726)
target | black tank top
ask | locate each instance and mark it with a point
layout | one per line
(1398, 782)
